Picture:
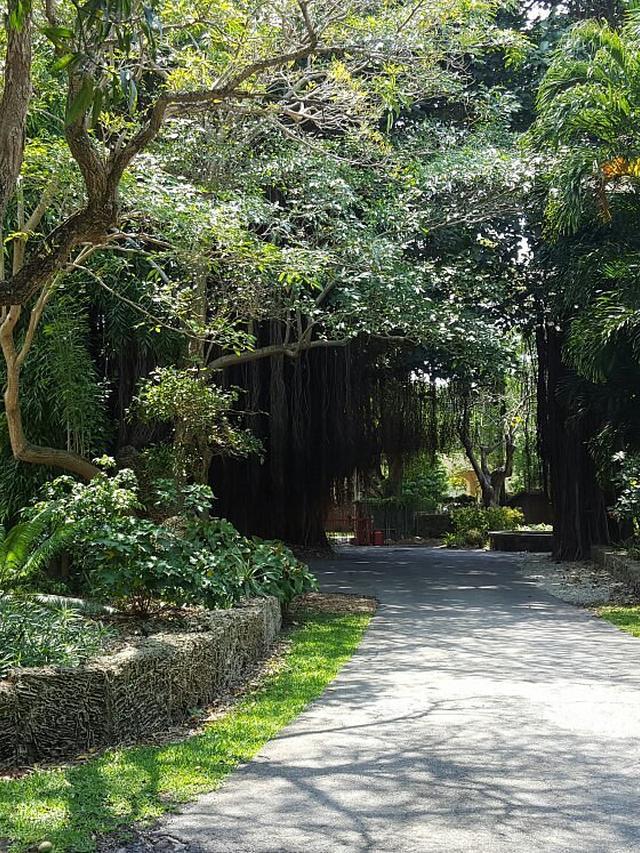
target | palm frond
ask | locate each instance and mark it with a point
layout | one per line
(30, 546)
(54, 545)
(18, 544)
(609, 329)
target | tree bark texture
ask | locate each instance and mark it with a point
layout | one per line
(579, 505)
(15, 98)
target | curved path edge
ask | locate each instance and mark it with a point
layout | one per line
(479, 714)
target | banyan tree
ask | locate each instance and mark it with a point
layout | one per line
(322, 418)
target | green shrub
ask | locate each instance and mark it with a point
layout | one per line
(485, 519)
(251, 566)
(472, 524)
(130, 561)
(134, 562)
(36, 634)
(466, 539)
(423, 488)
(122, 558)
(627, 506)
(475, 538)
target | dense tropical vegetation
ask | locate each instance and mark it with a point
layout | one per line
(255, 251)
(262, 262)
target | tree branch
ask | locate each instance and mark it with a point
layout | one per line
(311, 30)
(23, 449)
(464, 431)
(294, 351)
(27, 228)
(89, 225)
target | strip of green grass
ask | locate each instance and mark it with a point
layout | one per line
(625, 618)
(72, 806)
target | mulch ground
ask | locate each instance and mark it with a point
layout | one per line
(332, 603)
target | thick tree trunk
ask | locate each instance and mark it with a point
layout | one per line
(15, 97)
(487, 493)
(579, 506)
(492, 483)
(490, 497)
(396, 475)
(14, 358)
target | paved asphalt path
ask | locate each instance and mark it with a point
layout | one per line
(479, 714)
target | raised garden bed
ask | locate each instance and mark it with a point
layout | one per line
(533, 541)
(619, 565)
(53, 712)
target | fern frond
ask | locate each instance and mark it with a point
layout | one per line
(49, 549)
(17, 545)
(29, 546)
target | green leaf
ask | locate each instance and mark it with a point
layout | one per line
(64, 61)
(18, 14)
(80, 104)
(58, 35)
(97, 107)
(133, 96)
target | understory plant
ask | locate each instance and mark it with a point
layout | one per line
(135, 562)
(471, 525)
(34, 633)
(423, 488)
(118, 555)
(201, 415)
(627, 507)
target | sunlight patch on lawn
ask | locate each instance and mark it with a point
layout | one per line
(72, 806)
(625, 618)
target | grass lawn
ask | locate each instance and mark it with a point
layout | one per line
(72, 806)
(626, 618)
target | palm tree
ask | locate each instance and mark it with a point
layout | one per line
(588, 133)
(588, 117)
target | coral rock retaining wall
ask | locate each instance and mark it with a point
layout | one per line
(48, 713)
(620, 566)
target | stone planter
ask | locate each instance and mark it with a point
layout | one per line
(619, 565)
(51, 713)
(534, 541)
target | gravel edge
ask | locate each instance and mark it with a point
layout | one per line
(584, 584)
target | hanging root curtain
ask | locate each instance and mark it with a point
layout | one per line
(321, 417)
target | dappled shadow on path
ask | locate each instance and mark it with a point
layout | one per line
(479, 714)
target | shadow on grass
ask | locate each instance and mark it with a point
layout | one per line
(72, 806)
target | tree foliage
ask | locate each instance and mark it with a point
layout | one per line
(318, 206)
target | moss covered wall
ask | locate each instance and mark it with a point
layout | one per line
(50, 713)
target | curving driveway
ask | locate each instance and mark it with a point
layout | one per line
(479, 714)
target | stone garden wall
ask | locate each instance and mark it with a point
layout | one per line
(50, 713)
(619, 565)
